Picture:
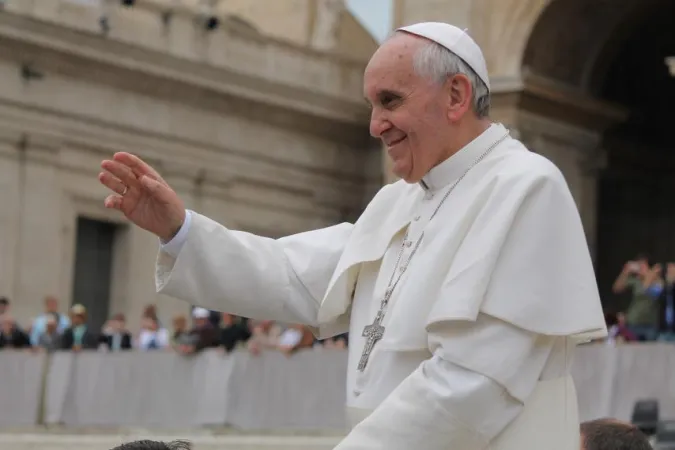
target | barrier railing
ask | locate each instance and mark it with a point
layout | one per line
(304, 391)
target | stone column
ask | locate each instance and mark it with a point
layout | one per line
(11, 167)
(38, 248)
(328, 14)
(590, 167)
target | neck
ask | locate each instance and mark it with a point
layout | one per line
(464, 134)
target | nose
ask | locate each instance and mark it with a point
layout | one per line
(379, 123)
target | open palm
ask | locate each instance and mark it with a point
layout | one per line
(141, 194)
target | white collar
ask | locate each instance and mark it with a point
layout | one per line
(452, 168)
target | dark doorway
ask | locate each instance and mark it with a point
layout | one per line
(637, 190)
(93, 268)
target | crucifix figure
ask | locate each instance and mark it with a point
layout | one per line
(373, 333)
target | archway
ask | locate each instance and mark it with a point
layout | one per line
(615, 51)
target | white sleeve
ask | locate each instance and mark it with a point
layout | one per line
(458, 399)
(253, 276)
(174, 246)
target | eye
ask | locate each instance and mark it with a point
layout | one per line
(389, 100)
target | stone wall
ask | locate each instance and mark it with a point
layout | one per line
(269, 140)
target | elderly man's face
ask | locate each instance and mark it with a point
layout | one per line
(410, 114)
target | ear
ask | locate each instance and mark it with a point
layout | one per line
(459, 98)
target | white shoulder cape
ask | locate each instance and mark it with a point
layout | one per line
(508, 242)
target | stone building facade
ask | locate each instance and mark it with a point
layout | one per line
(261, 134)
(260, 124)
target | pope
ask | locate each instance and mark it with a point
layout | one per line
(465, 286)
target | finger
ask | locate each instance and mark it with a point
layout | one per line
(156, 188)
(121, 172)
(137, 165)
(113, 202)
(112, 183)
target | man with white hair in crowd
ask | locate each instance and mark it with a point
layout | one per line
(464, 286)
(202, 335)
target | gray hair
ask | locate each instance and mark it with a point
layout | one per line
(438, 63)
(155, 445)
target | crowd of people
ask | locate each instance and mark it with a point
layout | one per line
(53, 330)
(650, 312)
(649, 316)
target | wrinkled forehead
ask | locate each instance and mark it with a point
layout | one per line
(391, 67)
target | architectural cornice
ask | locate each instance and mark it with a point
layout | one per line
(536, 94)
(330, 93)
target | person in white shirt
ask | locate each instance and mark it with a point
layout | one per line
(152, 336)
(464, 287)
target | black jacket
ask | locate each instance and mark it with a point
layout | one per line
(17, 339)
(90, 340)
(125, 343)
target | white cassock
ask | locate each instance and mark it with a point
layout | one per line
(481, 327)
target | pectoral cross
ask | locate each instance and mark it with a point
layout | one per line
(373, 333)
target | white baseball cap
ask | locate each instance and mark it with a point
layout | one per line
(200, 313)
(456, 40)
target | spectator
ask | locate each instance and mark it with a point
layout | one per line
(50, 338)
(51, 305)
(181, 334)
(152, 335)
(115, 335)
(11, 336)
(667, 305)
(264, 335)
(618, 332)
(151, 311)
(340, 341)
(295, 338)
(203, 334)
(645, 284)
(235, 330)
(78, 336)
(611, 434)
(4, 306)
(214, 317)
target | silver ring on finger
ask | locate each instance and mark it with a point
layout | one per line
(124, 192)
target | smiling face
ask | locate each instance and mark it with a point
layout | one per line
(414, 116)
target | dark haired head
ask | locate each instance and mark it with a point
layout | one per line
(155, 445)
(611, 434)
(642, 257)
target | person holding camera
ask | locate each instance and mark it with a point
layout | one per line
(645, 284)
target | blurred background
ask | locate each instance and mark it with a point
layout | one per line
(253, 111)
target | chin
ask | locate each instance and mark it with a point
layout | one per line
(407, 176)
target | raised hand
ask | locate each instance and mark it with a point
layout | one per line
(141, 194)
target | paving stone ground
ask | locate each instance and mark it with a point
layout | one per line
(92, 439)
